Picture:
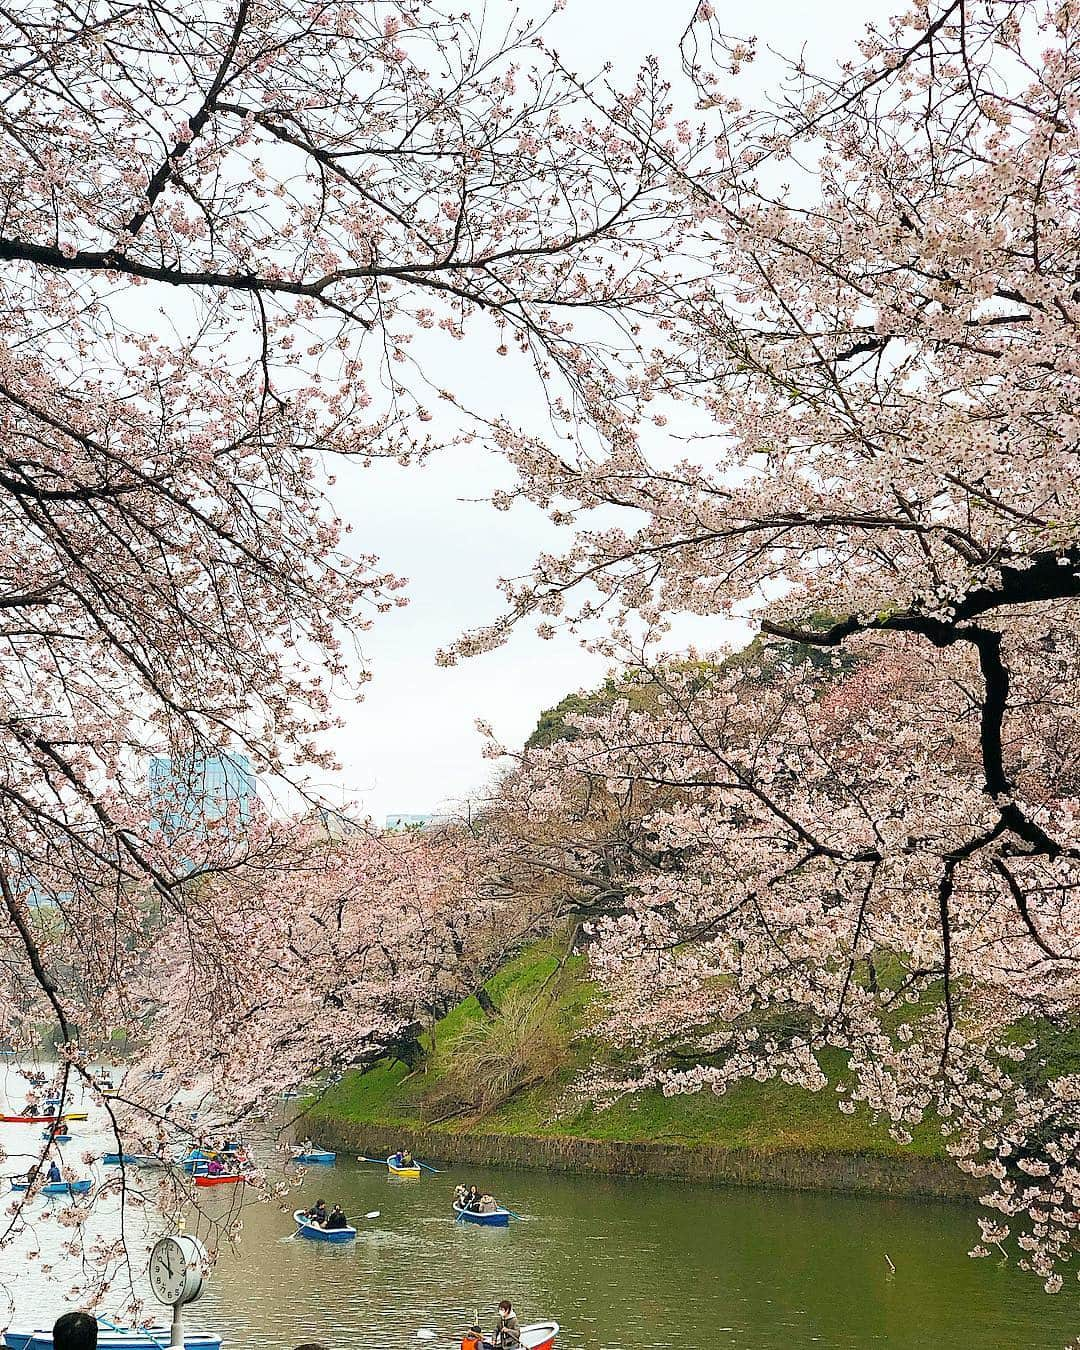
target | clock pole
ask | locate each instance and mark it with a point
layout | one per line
(176, 1340)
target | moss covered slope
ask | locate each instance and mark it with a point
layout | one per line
(767, 1118)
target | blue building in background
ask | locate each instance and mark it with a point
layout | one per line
(408, 820)
(190, 796)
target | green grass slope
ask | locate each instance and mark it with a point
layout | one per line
(765, 1117)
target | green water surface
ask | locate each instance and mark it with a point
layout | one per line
(631, 1265)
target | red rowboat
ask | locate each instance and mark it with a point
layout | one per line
(539, 1336)
(27, 1120)
(218, 1181)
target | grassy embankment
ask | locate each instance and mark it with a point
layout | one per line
(757, 1133)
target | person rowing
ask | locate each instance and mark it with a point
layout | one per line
(336, 1219)
(318, 1213)
(507, 1333)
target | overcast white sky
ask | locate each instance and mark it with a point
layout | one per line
(411, 745)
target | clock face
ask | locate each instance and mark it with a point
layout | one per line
(168, 1271)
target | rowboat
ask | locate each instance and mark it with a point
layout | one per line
(497, 1218)
(305, 1228)
(536, 1336)
(132, 1160)
(56, 1138)
(413, 1171)
(74, 1115)
(56, 1187)
(140, 1338)
(26, 1120)
(197, 1160)
(315, 1155)
(226, 1179)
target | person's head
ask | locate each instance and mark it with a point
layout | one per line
(321, 1202)
(506, 1307)
(75, 1331)
(312, 1345)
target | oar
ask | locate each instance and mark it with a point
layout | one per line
(361, 1158)
(436, 1170)
(511, 1213)
(111, 1326)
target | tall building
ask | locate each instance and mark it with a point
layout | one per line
(191, 796)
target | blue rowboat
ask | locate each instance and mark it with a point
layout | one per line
(498, 1218)
(56, 1187)
(131, 1160)
(56, 1138)
(316, 1155)
(305, 1228)
(142, 1338)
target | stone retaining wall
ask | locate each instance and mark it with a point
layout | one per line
(796, 1169)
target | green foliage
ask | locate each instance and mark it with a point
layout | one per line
(553, 724)
(776, 659)
(491, 1060)
(770, 659)
(767, 1117)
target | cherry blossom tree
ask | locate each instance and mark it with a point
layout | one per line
(221, 234)
(238, 241)
(882, 350)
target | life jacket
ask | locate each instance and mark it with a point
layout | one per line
(470, 1342)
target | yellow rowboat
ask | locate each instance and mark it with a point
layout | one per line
(74, 1115)
(413, 1171)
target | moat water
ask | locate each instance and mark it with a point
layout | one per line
(621, 1264)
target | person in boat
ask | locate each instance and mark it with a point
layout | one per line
(215, 1167)
(396, 1158)
(54, 1172)
(75, 1331)
(336, 1219)
(461, 1194)
(507, 1333)
(487, 1204)
(317, 1213)
(406, 1158)
(472, 1200)
(473, 1339)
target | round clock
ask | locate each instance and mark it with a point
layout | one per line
(177, 1266)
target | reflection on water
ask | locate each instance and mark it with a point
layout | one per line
(623, 1265)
